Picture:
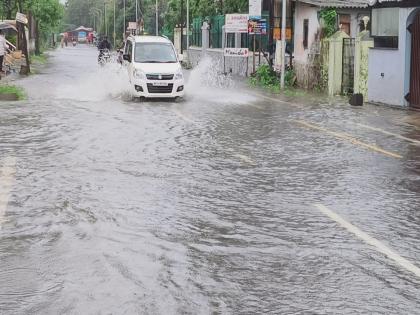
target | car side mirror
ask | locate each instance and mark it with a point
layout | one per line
(127, 57)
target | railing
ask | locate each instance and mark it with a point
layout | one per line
(13, 47)
(196, 39)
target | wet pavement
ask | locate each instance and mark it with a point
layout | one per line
(207, 206)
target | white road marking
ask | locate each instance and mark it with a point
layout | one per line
(244, 158)
(277, 101)
(183, 116)
(379, 247)
(344, 136)
(7, 179)
(417, 142)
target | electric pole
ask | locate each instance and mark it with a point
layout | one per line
(157, 19)
(283, 44)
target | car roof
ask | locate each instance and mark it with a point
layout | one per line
(149, 39)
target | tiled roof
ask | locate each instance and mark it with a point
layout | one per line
(339, 3)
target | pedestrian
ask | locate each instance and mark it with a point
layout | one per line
(3, 49)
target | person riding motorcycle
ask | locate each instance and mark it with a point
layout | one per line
(103, 46)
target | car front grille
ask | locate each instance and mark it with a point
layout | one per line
(159, 89)
(159, 76)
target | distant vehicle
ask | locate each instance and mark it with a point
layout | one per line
(154, 69)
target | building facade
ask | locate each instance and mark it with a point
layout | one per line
(394, 61)
(307, 29)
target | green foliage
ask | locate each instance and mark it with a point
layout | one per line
(86, 12)
(40, 59)
(46, 13)
(267, 78)
(290, 78)
(329, 18)
(12, 89)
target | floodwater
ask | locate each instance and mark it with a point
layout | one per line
(206, 206)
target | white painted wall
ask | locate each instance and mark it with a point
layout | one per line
(394, 64)
(302, 12)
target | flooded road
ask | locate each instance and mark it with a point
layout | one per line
(226, 203)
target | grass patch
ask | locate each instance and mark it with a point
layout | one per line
(12, 89)
(40, 59)
(268, 79)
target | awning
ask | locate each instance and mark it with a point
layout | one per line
(338, 3)
(7, 26)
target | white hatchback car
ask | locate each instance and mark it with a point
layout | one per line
(153, 67)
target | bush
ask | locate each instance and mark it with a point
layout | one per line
(267, 77)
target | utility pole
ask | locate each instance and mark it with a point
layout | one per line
(137, 17)
(271, 32)
(157, 19)
(188, 24)
(114, 24)
(283, 44)
(106, 26)
(124, 27)
(182, 24)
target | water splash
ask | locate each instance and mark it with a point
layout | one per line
(208, 82)
(109, 81)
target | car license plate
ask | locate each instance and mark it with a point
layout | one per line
(160, 84)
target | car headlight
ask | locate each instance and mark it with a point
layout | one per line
(138, 74)
(179, 75)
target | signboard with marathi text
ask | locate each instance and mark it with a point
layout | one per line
(236, 23)
(236, 52)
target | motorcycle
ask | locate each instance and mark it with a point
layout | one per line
(104, 57)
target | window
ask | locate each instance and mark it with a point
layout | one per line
(155, 53)
(305, 33)
(385, 27)
(385, 22)
(344, 22)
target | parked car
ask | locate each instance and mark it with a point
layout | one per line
(154, 69)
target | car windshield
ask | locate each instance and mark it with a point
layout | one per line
(155, 53)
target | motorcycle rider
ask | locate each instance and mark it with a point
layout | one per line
(103, 45)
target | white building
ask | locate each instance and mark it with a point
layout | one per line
(307, 26)
(394, 62)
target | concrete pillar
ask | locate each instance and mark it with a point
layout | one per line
(223, 37)
(177, 40)
(361, 62)
(335, 66)
(205, 38)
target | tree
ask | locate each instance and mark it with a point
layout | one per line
(47, 14)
